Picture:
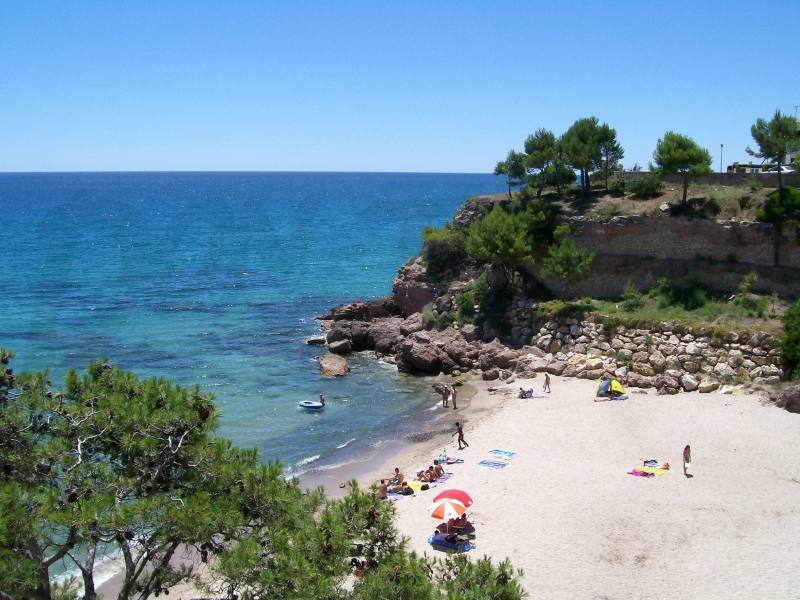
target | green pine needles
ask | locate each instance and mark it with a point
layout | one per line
(110, 462)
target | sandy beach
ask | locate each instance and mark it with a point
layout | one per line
(566, 511)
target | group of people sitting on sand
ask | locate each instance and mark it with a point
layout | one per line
(395, 484)
(432, 473)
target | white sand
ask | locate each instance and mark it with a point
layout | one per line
(566, 512)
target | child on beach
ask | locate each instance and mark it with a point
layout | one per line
(687, 461)
(461, 440)
(383, 490)
(546, 383)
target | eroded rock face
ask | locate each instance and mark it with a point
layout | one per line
(385, 335)
(332, 365)
(790, 399)
(412, 289)
(420, 357)
(412, 324)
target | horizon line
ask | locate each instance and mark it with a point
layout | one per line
(111, 171)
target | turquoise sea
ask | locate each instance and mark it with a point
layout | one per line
(214, 279)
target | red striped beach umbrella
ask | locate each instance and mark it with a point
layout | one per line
(446, 509)
(459, 495)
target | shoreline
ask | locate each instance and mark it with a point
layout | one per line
(566, 497)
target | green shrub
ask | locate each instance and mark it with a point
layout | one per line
(492, 301)
(465, 303)
(790, 349)
(443, 249)
(632, 298)
(646, 186)
(689, 293)
(617, 186)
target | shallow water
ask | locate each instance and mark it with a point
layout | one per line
(214, 279)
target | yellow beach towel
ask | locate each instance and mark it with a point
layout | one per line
(652, 470)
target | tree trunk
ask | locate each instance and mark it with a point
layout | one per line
(606, 173)
(780, 182)
(87, 572)
(685, 185)
(509, 190)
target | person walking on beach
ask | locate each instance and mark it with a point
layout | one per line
(687, 461)
(454, 396)
(546, 383)
(461, 440)
(445, 395)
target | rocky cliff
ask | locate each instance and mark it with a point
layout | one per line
(666, 356)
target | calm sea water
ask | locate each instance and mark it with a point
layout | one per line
(214, 279)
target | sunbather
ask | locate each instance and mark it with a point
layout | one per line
(397, 478)
(437, 468)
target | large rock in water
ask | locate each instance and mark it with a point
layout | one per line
(790, 399)
(332, 365)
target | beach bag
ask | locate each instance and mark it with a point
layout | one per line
(425, 486)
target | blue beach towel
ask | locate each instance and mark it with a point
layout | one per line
(507, 454)
(492, 464)
(440, 543)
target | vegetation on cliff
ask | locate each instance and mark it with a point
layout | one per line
(112, 463)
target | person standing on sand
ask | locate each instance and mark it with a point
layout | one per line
(445, 395)
(546, 387)
(687, 461)
(383, 490)
(460, 433)
(454, 396)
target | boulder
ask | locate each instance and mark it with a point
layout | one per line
(556, 367)
(471, 333)
(723, 369)
(384, 335)
(643, 369)
(666, 384)
(420, 357)
(658, 361)
(412, 324)
(689, 382)
(317, 340)
(640, 381)
(789, 399)
(339, 331)
(491, 374)
(708, 385)
(340, 347)
(332, 365)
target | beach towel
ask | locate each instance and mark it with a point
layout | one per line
(639, 473)
(653, 470)
(444, 478)
(492, 464)
(454, 461)
(440, 543)
(506, 454)
(609, 398)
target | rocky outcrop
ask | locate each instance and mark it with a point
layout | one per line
(412, 288)
(332, 365)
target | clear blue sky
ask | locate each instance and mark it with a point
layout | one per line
(378, 86)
